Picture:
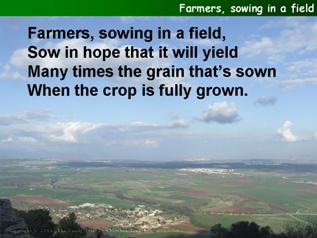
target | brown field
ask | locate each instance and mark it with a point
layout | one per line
(39, 200)
(97, 223)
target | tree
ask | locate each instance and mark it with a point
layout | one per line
(39, 222)
(69, 228)
(100, 234)
(245, 229)
(218, 231)
(266, 232)
(302, 230)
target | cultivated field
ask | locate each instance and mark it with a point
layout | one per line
(182, 200)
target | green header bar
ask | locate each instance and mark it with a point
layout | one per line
(158, 8)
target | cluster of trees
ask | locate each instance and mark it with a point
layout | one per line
(245, 229)
(41, 225)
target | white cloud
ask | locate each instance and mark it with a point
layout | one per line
(296, 35)
(305, 67)
(266, 101)
(294, 40)
(151, 142)
(7, 140)
(6, 72)
(257, 47)
(77, 132)
(134, 134)
(286, 134)
(143, 126)
(19, 139)
(25, 117)
(300, 73)
(293, 83)
(179, 123)
(69, 131)
(221, 112)
(143, 143)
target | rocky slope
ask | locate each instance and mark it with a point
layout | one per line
(10, 225)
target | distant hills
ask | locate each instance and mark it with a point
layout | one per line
(263, 165)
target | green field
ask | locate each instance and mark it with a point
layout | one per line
(265, 197)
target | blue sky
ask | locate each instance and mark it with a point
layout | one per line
(276, 121)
